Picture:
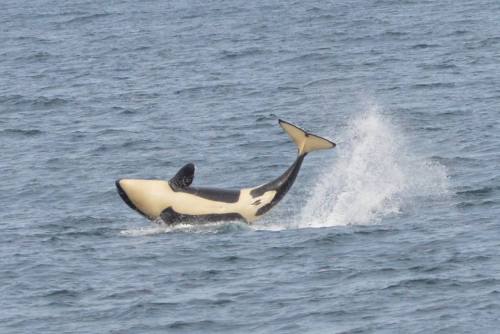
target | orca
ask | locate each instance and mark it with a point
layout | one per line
(175, 201)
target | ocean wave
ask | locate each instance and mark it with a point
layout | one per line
(85, 18)
(37, 56)
(441, 66)
(309, 57)
(433, 85)
(61, 293)
(208, 88)
(251, 51)
(491, 41)
(424, 46)
(478, 192)
(21, 132)
(424, 282)
(323, 82)
(192, 325)
(37, 102)
(470, 204)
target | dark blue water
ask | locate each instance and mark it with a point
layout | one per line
(394, 231)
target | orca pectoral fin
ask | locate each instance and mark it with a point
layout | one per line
(169, 216)
(183, 178)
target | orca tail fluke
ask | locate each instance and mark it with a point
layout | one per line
(306, 142)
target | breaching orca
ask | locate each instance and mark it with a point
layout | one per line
(175, 201)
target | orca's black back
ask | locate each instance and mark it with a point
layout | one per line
(214, 194)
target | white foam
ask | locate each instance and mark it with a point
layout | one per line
(266, 225)
(374, 175)
(144, 231)
(214, 227)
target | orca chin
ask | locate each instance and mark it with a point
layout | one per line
(175, 201)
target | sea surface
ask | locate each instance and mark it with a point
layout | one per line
(396, 230)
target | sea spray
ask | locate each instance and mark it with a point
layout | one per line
(374, 176)
(212, 227)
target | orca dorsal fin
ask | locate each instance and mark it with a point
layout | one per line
(183, 178)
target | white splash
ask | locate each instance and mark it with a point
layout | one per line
(145, 231)
(214, 227)
(373, 176)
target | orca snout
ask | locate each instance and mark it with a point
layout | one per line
(148, 197)
(123, 194)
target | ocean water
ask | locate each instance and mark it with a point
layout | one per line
(394, 231)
